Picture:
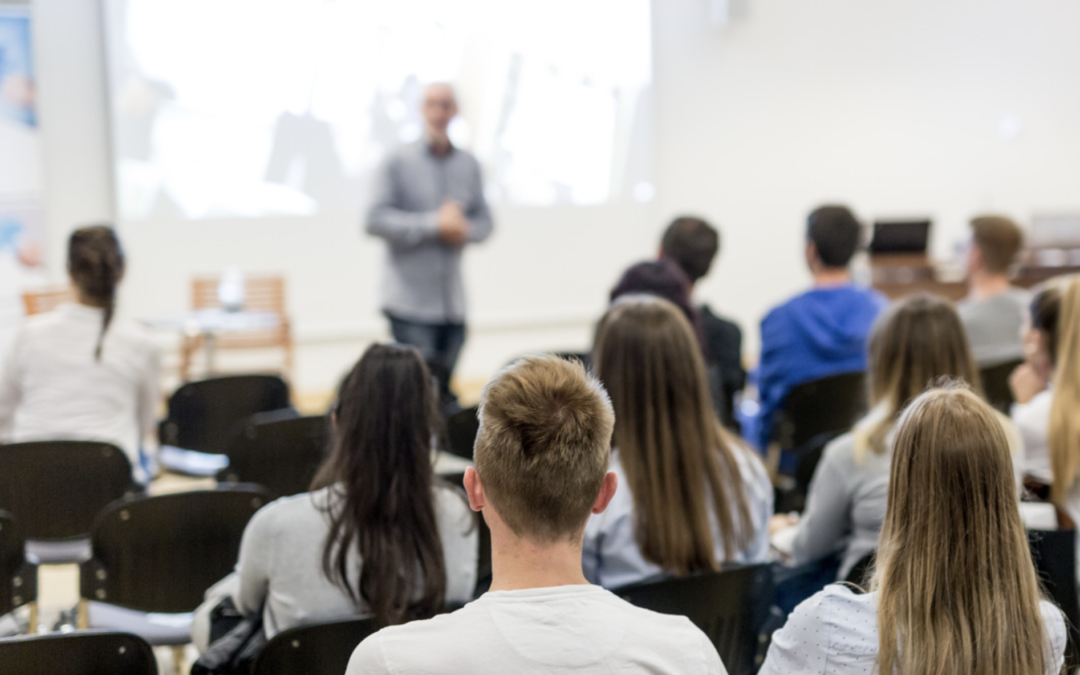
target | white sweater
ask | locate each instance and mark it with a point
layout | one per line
(52, 387)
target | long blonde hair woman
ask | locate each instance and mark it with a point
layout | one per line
(955, 591)
(1047, 391)
(691, 496)
(914, 342)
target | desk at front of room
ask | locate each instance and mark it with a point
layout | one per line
(900, 275)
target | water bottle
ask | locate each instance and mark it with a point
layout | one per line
(231, 290)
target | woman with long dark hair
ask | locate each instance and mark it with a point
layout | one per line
(378, 535)
(76, 373)
(691, 496)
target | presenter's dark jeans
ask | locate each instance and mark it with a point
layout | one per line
(440, 344)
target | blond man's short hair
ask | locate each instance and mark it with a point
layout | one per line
(544, 446)
(999, 239)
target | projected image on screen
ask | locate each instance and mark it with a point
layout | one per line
(238, 108)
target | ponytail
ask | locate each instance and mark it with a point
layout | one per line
(1064, 432)
(96, 265)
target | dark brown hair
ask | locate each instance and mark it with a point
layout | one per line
(999, 239)
(691, 243)
(543, 447)
(96, 265)
(836, 234)
(380, 465)
(679, 462)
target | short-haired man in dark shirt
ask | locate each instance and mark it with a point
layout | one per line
(692, 244)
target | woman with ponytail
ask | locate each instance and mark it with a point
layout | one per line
(379, 535)
(77, 373)
(954, 591)
(1047, 392)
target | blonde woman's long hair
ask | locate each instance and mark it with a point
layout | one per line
(957, 591)
(679, 462)
(913, 343)
(1056, 312)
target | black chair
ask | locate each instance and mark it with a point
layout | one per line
(18, 579)
(1054, 554)
(281, 455)
(160, 554)
(461, 430)
(995, 384)
(204, 415)
(831, 404)
(320, 649)
(54, 489)
(729, 606)
(81, 653)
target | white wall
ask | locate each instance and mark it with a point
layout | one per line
(892, 107)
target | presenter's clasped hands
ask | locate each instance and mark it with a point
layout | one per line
(453, 227)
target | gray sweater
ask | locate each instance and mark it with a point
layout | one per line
(281, 564)
(993, 326)
(422, 278)
(845, 506)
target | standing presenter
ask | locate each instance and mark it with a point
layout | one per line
(428, 205)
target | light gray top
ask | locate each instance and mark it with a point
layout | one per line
(422, 277)
(993, 326)
(281, 563)
(532, 631)
(53, 388)
(836, 632)
(845, 505)
(611, 556)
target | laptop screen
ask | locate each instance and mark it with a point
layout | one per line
(900, 236)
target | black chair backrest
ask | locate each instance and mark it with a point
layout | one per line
(830, 404)
(995, 384)
(1054, 554)
(204, 415)
(55, 488)
(80, 653)
(281, 455)
(18, 580)
(461, 430)
(320, 649)
(729, 606)
(160, 554)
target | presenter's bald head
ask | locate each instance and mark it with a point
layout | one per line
(439, 107)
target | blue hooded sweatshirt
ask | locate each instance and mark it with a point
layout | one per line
(819, 333)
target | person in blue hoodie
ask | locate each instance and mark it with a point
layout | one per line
(822, 332)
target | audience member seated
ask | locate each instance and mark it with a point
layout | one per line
(379, 535)
(993, 310)
(691, 495)
(78, 373)
(821, 332)
(692, 244)
(915, 342)
(663, 279)
(541, 469)
(954, 590)
(1047, 392)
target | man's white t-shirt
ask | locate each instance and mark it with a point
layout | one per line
(564, 629)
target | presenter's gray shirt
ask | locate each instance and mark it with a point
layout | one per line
(422, 277)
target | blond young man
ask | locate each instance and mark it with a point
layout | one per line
(993, 311)
(541, 469)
